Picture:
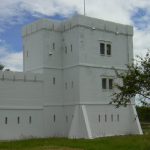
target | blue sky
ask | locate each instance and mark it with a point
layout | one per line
(14, 14)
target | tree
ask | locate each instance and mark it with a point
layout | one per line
(1, 67)
(136, 81)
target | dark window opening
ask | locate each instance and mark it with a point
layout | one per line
(102, 48)
(99, 118)
(53, 45)
(66, 49)
(18, 120)
(118, 118)
(110, 83)
(30, 120)
(54, 118)
(108, 49)
(54, 81)
(105, 118)
(72, 84)
(66, 85)
(104, 83)
(66, 118)
(6, 120)
(71, 47)
(112, 117)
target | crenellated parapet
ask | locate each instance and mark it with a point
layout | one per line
(78, 21)
(20, 76)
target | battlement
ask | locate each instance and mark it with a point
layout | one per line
(20, 76)
(78, 21)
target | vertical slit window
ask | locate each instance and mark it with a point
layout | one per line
(54, 81)
(99, 118)
(54, 118)
(118, 117)
(112, 117)
(72, 84)
(71, 47)
(6, 120)
(66, 118)
(18, 120)
(53, 46)
(104, 83)
(30, 120)
(27, 53)
(65, 49)
(66, 85)
(105, 118)
(102, 48)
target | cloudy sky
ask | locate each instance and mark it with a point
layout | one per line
(16, 13)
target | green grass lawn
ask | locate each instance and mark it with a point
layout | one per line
(108, 143)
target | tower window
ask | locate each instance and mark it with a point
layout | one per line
(110, 83)
(54, 80)
(108, 46)
(102, 48)
(104, 83)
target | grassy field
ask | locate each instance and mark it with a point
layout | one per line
(109, 143)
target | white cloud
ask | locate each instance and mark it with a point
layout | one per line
(13, 12)
(11, 60)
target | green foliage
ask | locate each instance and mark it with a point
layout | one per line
(136, 81)
(143, 113)
(109, 143)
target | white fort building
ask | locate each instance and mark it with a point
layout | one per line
(67, 82)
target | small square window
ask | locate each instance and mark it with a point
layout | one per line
(104, 83)
(102, 48)
(110, 83)
(108, 46)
